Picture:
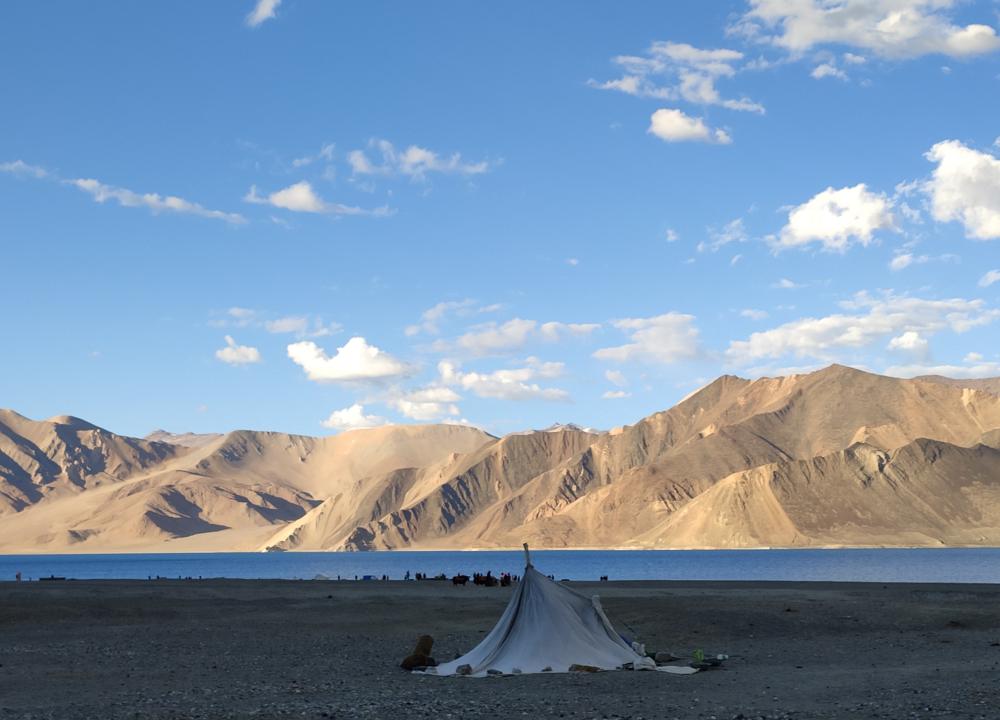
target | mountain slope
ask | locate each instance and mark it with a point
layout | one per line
(834, 457)
(65, 455)
(231, 493)
(617, 489)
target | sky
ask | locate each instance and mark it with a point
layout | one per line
(311, 217)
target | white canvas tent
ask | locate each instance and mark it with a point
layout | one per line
(547, 628)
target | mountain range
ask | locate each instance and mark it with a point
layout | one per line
(836, 457)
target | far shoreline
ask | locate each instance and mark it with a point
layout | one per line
(781, 548)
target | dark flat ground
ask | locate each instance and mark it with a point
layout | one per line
(236, 649)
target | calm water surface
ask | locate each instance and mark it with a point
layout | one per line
(953, 565)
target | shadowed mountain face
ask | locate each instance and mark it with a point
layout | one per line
(64, 456)
(834, 457)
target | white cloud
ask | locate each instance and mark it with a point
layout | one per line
(662, 339)
(674, 126)
(989, 278)
(573, 262)
(973, 357)
(414, 162)
(910, 341)
(353, 361)
(263, 11)
(852, 59)
(889, 28)
(19, 167)
(732, 232)
(690, 75)
(786, 284)
(836, 218)
(352, 418)
(825, 70)
(753, 314)
(301, 197)
(965, 186)
(512, 384)
(616, 377)
(615, 395)
(234, 354)
(430, 403)
(154, 202)
(499, 338)
(879, 318)
(671, 235)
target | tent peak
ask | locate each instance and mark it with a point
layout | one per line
(527, 557)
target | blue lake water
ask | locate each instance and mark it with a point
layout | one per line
(951, 565)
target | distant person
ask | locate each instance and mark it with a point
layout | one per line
(18, 576)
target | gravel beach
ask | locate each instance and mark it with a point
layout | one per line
(326, 649)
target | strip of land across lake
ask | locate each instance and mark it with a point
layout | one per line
(237, 649)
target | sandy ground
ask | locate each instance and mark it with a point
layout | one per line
(317, 649)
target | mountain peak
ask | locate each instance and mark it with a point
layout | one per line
(72, 422)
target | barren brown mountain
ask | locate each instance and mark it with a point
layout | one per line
(834, 457)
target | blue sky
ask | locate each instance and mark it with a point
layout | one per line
(308, 216)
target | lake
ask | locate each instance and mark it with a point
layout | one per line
(946, 565)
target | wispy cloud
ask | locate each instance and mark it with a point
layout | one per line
(414, 162)
(615, 394)
(678, 71)
(325, 154)
(301, 326)
(19, 167)
(432, 317)
(263, 11)
(153, 202)
(733, 231)
(102, 193)
(993, 276)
